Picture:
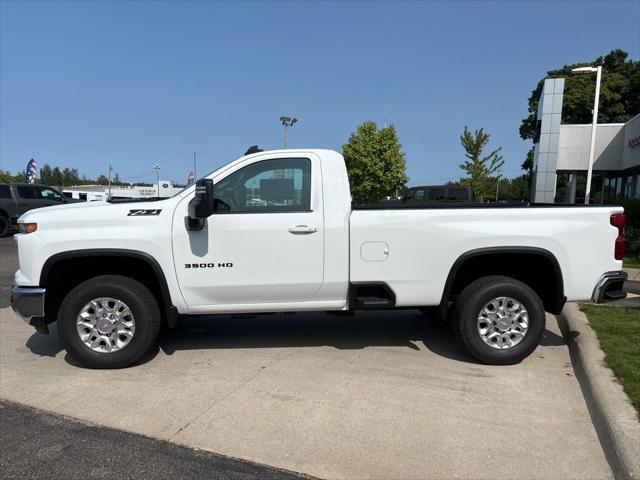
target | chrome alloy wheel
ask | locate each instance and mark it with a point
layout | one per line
(503, 323)
(105, 325)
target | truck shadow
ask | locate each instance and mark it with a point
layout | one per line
(45, 345)
(401, 328)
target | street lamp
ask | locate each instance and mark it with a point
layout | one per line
(287, 122)
(156, 167)
(594, 124)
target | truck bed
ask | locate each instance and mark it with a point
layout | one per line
(458, 205)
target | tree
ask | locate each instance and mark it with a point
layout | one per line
(70, 176)
(619, 93)
(56, 177)
(514, 189)
(6, 177)
(479, 168)
(375, 162)
(45, 174)
(527, 166)
(102, 180)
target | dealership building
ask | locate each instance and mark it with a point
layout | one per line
(561, 155)
(100, 193)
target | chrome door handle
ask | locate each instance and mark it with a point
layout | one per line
(302, 230)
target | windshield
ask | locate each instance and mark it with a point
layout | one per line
(180, 192)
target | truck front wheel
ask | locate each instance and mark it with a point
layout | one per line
(108, 321)
(498, 320)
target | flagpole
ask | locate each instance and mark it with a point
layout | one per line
(195, 170)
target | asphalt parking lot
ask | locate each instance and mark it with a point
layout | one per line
(36, 444)
(378, 395)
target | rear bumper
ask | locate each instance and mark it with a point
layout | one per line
(610, 287)
(28, 303)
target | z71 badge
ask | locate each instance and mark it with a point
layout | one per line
(141, 213)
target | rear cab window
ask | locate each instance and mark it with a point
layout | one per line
(27, 191)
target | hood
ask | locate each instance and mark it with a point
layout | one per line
(92, 211)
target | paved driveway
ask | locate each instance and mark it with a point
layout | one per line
(379, 395)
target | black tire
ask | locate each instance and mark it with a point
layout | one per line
(136, 296)
(5, 224)
(470, 303)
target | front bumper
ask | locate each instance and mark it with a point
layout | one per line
(28, 303)
(610, 287)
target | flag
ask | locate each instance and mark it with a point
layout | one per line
(32, 172)
(191, 178)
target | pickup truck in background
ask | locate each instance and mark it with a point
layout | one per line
(16, 199)
(439, 193)
(277, 232)
(434, 193)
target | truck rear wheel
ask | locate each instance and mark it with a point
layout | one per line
(498, 320)
(108, 321)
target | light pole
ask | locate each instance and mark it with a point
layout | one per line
(109, 195)
(594, 124)
(498, 185)
(156, 167)
(287, 122)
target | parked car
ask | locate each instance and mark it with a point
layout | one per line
(19, 198)
(110, 273)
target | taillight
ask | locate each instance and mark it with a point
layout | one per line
(618, 221)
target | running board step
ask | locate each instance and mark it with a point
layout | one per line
(371, 295)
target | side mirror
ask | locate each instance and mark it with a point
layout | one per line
(201, 206)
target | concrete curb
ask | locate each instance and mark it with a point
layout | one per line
(615, 419)
(633, 273)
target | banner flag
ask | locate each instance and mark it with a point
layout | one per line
(191, 178)
(32, 172)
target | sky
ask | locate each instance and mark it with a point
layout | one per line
(88, 83)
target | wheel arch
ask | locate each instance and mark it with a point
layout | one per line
(104, 261)
(462, 273)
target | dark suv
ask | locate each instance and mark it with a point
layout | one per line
(16, 199)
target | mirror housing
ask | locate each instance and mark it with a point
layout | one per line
(201, 206)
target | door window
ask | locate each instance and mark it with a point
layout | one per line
(436, 194)
(270, 186)
(5, 191)
(49, 194)
(458, 194)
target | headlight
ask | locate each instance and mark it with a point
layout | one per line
(28, 227)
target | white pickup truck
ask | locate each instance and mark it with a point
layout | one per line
(277, 232)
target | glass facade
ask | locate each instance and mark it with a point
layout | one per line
(618, 186)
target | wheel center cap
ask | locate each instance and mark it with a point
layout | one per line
(504, 323)
(104, 326)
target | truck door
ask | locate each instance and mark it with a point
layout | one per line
(265, 242)
(27, 198)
